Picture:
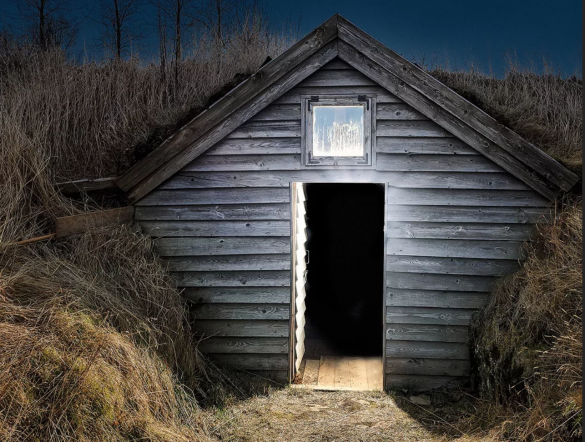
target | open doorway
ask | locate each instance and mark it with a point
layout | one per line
(344, 280)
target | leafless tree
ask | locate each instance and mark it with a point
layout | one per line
(48, 22)
(120, 22)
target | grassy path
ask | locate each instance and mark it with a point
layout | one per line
(303, 415)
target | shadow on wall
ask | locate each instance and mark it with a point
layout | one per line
(345, 280)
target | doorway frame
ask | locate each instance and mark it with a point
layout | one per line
(292, 317)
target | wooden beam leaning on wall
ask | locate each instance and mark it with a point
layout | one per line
(77, 224)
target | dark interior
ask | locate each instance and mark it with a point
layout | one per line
(345, 279)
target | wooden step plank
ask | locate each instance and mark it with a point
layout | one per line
(221, 246)
(428, 315)
(434, 298)
(215, 212)
(375, 373)
(244, 328)
(238, 295)
(244, 345)
(311, 374)
(326, 372)
(358, 372)
(342, 373)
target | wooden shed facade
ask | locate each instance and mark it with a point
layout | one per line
(224, 200)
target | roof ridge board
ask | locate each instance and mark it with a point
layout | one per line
(445, 119)
(227, 124)
(229, 103)
(447, 98)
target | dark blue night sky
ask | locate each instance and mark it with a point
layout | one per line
(453, 32)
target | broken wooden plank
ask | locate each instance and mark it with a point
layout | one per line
(77, 224)
(86, 185)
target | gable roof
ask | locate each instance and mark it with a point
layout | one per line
(337, 37)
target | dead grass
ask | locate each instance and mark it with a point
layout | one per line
(543, 108)
(528, 340)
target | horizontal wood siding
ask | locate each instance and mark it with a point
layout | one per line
(456, 222)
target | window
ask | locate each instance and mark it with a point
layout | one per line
(337, 131)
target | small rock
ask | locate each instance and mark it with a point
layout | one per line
(422, 399)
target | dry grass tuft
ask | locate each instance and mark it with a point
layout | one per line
(544, 108)
(528, 340)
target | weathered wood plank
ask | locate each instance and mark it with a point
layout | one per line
(214, 212)
(81, 186)
(265, 278)
(455, 248)
(423, 383)
(300, 63)
(255, 146)
(227, 263)
(423, 145)
(232, 295)
(215, 196)
(428, 315)
(244, 162)
(432, 89)
(77, 224)
(345, 77)
(441, 299)
(252, 361)
(462, 197)
(215, 228)
(435, 213)
(294, 95)
(426, 332)
(241, 311)
(268, 129)
(427, 350)
(450, 266)
(336, 63)
(279, 112)
(244, 345)
(411, 179)
(428, 367)
(221, 246)
(497, 232)
(394, 128)
(397, 111)
(235, 328)
(430, 281)
(452, 124)
(436, 163)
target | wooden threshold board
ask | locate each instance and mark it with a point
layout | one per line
(343, 373)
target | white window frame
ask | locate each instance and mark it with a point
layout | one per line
(308, 161)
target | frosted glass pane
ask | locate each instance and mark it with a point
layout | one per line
(338, 131)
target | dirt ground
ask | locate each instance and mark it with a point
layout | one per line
(304, 415)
